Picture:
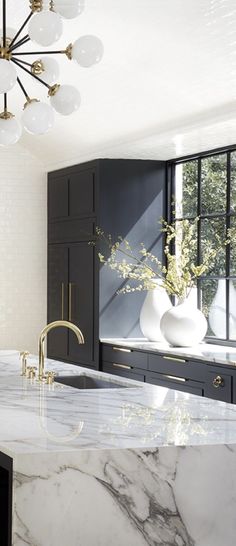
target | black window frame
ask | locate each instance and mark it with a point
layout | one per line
(171, 187)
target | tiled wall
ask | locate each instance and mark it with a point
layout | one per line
(23, 243)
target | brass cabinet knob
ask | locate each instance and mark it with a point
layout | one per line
(218, 381)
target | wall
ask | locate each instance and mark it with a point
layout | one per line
(23, 232)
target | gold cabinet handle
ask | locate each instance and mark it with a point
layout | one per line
(175, 359)
(70, 302)
(122, 350)
(218, 381)
(175, 378)
(124, 366)
(62, 301)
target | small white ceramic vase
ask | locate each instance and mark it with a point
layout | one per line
(217, 311)
(184, 325)
(156, 303)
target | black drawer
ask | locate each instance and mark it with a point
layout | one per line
(71, 231)
(122, 355)
(219, 385)
(178, 366)
(121, 370)
(177, 383)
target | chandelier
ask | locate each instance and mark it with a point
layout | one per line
(45, 27)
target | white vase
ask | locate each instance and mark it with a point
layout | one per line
(184, 325)
(217, 311)
(156, 303)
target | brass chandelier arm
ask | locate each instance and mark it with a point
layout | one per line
(21, 28)
(30, 73)
(5, 103)
(4, 22)
(21, 42)
(58, 52)
(23, 89)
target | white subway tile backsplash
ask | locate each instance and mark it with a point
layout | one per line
(23, 249)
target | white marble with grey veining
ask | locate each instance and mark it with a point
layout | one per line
(208, 352)
(132, 466)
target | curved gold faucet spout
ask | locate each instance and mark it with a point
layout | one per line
(48, 328)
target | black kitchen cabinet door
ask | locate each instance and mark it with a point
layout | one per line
(72, 196)
(57, 342)
(82, 193)
(58, 203)
(81, 301)
(71, 297)
(191, 387)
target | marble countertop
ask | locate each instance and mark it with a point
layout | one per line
(45, 419)
(219, 354)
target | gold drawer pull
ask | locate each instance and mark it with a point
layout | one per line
(122, 350)
(174, 359)
(62, 301)
(182, 379)
(218, 381)
(124, 366)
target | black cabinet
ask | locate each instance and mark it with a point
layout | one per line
(72, 194)
(123, 197)
(219, 384)
(71, 296)
(207, 379)
(6, 471)
(175, 382)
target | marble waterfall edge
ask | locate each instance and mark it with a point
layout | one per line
(150, 465)
(170, 496)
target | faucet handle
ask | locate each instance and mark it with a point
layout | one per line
(31, 372)
(50, 377)
(23, 357)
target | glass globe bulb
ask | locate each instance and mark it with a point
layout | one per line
(8, 76)
(66, 100)
(69, 10)
(87, 51)
(10, 131)
(38, 118)
(50, 67)
(45, 28)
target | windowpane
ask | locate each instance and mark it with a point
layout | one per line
(233, 182)
(186, 189)
(213, 298)
(232, 309)
(233, 247)
(213, 184)
(213, 234)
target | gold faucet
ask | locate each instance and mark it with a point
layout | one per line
(57, 324)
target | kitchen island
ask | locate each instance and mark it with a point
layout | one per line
(134, 465)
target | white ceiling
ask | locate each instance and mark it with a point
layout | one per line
(166, 86)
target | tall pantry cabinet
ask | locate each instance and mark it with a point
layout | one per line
(124, 197)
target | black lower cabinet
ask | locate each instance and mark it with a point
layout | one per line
(123, 371)
(5, 500)
(219, 385)
(207, 379)
(72, 297)
(178, 384)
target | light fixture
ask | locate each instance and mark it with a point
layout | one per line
(45, 26)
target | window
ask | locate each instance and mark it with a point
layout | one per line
(205, 186)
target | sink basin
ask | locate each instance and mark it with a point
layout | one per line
(87, 382)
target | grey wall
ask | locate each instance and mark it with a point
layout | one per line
(131, 204)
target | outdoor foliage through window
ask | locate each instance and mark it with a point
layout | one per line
(206, 187)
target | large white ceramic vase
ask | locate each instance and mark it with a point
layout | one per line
(217, 311)
(156, 303)
(184, 325)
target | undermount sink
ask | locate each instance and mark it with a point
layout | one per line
(88, 382)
